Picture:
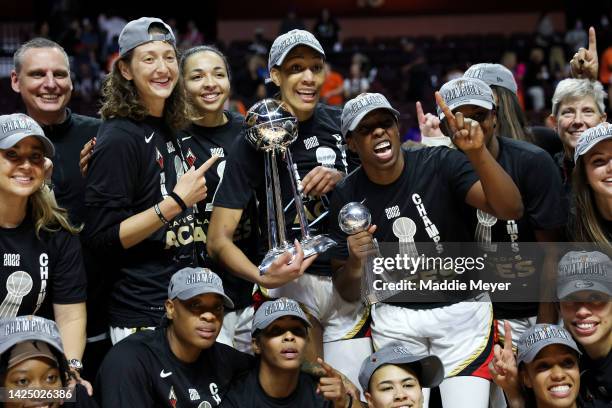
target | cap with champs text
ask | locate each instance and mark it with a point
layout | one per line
(17, 126)
(466, 91)
(189, 282)
(534, 339)
(591, 137)
(284, 43)
(581, 270)
(357, 108)
(272, 310)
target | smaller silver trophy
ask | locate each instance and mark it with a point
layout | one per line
(271, 128)
(353, 218)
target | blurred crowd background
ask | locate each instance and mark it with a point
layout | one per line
(405, 51)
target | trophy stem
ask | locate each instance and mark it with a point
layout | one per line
(297, 194)
(272, 224)
(278, 205)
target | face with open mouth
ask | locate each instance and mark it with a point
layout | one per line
(43, 81)
(394, 386)
(574, 117)
(207, 82)
(376, 140)
(154, 70)
(282, 343)
(197, 321)
(300, 78)
(554, 377)
(588, 316)
(22, 168)
(33, 373)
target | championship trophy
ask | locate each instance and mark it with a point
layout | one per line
(353, 218)
(271, 128)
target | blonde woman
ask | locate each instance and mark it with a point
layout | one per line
(42, 269)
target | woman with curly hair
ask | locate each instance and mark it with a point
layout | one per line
(140, 192)
(42, 269)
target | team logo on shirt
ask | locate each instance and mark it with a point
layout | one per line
(194, 395)
(218, 151)
(159, 158)
(190, 157)
(172, 397)
(326, 157)
(18, 285)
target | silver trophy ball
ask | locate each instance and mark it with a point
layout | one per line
(354, 217)
(270, 125)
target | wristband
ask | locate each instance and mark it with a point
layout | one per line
(159, 214)
(178, 200)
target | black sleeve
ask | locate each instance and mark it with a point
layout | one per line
(83, 400)
(123, 380)
(458, 170)
(244, 172)
(69, 280)
(542, 193)
(110, 188)
(338, 200)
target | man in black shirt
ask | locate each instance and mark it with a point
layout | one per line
(179, 364)
(415, 196)
(280, 333)
(41, 75)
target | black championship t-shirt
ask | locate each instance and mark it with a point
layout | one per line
(200, 144)
(69, 137)
(37, 273)
(319, 143)
(428, 196)
(596, 381)
(142, 371)
(537, 178)
(133, 167)
(247, 393)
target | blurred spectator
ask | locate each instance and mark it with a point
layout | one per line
(192, 36)
(248, 82)
(112, 26)
(41, 30)
(357, 83)
(291, 22)
(416, 76)
(259, 45)
(326, 29)
(87, 83)
(90, 39)
(577, 37)
(333, 87)
(509, 60)
(557, 64)
(71, 37)
(535, 79)
(545, 30)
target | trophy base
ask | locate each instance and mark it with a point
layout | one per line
(311, 246)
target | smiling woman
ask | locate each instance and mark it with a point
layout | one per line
(140, 189)
(593, 186)
(548, 367)
(42, 267)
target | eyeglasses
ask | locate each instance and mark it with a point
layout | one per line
(366, 129)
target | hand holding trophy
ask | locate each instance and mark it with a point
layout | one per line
(271, 128)
(354, 218)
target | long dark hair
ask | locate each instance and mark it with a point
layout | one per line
(511, 119)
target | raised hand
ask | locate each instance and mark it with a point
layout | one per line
(467, 134)
(191, 187)
(429, 124)
(503, 367)
(585, 63)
